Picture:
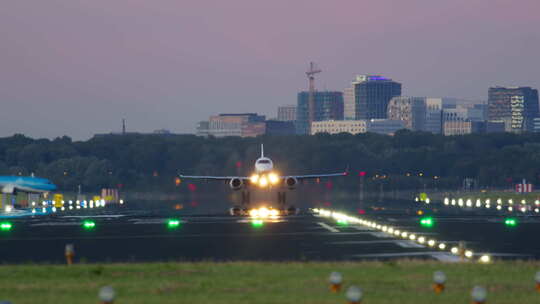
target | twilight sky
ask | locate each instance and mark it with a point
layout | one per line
(77, 67)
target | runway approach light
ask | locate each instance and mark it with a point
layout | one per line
(106, 295)
(510, 222)
(479, 295)
(88, 224)
(173, 224)
(354, 294)
(6, 226)
(427, 222)
(439, 278)
(335, 279)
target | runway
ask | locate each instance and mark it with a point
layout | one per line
(121, 235)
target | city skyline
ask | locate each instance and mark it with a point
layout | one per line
(79, 68)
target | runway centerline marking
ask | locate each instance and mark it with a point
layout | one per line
(330, 228)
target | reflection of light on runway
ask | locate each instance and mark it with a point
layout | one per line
(264, 213)
(257, 223)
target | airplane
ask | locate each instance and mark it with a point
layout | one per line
(263, 177)
(27, 184)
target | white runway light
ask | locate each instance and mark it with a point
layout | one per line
(410, 236)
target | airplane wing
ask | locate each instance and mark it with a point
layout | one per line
(313, 176)
(222, 178)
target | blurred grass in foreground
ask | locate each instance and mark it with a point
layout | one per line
(252, 282)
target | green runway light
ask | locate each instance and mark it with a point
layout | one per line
(427, 222)
(510, 222)
(257, 223)
(172, 224)
(342, 223)
(5, 226)
(89, 224)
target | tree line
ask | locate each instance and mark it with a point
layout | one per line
(151, 162)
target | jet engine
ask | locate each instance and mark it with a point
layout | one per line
(291, 182)
(236, 183)
(235, 211)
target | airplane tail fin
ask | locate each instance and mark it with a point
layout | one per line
(262, 150)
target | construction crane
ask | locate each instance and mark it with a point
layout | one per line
(311, 97)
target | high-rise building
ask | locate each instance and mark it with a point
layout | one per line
(515, 106)
(433, 121)
(349, 104)
(410, 110)
(286, 113)
(372, 93)
(328, 106)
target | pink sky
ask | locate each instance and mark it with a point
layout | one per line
(77, 67)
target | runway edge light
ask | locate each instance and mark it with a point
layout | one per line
(335, 279)
(439, 278)
(537, 279)
(479, 295)
(354, 295)
(106, 294)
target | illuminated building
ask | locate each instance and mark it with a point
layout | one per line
(410, 110)
(372, 93)
(339, 126)
(516, 107)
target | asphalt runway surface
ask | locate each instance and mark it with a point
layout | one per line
(121, 235)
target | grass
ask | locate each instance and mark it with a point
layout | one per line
(251, 282)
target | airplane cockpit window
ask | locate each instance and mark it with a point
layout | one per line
(264, 161)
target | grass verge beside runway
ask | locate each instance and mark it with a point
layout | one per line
(250, 282)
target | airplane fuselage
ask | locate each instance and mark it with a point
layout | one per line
(13, 184)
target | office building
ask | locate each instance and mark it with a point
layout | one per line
(410, 110)
(243, 125)
(328, 106)
(349, 104)
(286, 113)
(384, 126)
(515, 106)
(277, 127)
(372, 93)
(339, 126)
(433, 121)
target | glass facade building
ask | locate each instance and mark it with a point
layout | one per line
(516, 107)
(328, 106)
(372, 94)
